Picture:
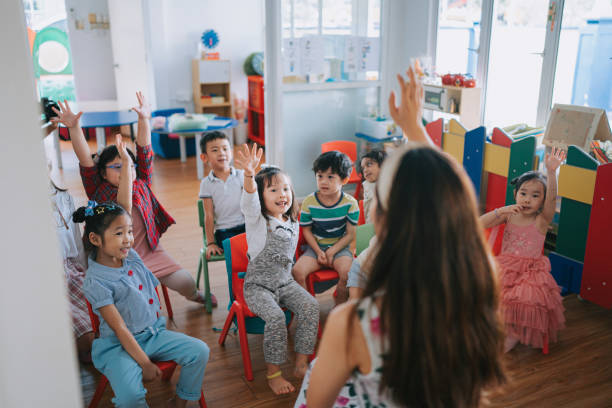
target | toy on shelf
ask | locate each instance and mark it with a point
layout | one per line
(459, 80)
(210, 40)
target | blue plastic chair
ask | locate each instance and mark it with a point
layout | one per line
(166, 146)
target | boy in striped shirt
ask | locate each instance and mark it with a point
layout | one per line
(328, 220)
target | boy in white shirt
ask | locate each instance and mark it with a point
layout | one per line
(220, 192)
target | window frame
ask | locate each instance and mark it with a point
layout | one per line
(549, 55)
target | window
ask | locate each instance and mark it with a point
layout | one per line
(330, 40)
(583, 74)
(527, 61)
(458, 36)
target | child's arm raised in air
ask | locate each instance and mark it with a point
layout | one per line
(124, 192)
(499, 215)
(111, 316)
(143, 134)
(408, 114)
(71, 120)
(552, 161)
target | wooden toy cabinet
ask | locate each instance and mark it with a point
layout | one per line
(211, 87)
(581, 262)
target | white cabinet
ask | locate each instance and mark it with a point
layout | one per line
(464, 102)
(213, 71)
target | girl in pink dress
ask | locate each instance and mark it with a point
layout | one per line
(531, 300)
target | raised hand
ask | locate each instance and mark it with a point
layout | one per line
(249, 159)
(554, 159)
(143, 109)
(122, 148)
(65, 116)
(408, 114)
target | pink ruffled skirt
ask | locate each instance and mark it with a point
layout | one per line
(531, 300)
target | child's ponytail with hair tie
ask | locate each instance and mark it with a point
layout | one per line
(79, 215)
(514, 181)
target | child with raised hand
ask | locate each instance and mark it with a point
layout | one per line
(404, 343)
(121, 291)
(272, 231)
(150, 219)
(531, 300)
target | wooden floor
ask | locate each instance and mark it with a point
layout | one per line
(576, 373)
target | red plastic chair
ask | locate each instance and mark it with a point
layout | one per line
(320, 276)
(236, 261)
(350, 149)
(494, 237)
(167, 367)
(361, 220)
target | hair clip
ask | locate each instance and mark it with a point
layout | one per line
(91, 204)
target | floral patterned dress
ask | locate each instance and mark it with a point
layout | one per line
(360, 390)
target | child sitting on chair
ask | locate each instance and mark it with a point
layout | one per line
(121, 290)
(220, 192)
(328, 218)
(272, 234)
(370, 167)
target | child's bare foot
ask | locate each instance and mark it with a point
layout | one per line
(278, 384)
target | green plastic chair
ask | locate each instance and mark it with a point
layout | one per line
(363, 235)
(203, 263)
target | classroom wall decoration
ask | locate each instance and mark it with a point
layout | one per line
(309, 55)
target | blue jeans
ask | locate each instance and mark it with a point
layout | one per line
(125, 375)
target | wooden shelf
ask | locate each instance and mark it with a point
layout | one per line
(214, 105)
(212, 77)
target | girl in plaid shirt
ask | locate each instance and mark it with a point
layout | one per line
(150, 219)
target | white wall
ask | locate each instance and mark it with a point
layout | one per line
(92, 55)
(175, 29)
(38, 365)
